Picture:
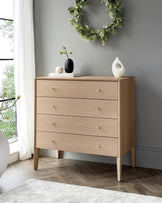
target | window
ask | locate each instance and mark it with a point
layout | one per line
(7, 88)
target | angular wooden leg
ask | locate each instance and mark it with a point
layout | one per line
(119, 168)
(133, 157)
(57, 154)
(36, 157)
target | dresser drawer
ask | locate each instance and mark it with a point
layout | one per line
(77, 125)
(77, 89)
(77, 107)
(77, 143)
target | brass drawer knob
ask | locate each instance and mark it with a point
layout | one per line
(53, 89)
(53, 141)
(52, 106)
(98, 108)
(98, 90)
(98, 146)
(53, 123)
(98, 127)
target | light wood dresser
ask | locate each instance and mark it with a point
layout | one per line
(90, 114)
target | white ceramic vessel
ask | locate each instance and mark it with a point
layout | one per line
(4, 152)
(59, 69)
(118, 69)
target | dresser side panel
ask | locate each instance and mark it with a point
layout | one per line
(127, 115)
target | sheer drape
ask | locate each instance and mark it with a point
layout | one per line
(24, 74)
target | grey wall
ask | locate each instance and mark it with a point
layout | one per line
(139, 46)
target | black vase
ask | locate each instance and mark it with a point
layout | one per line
(69, 65)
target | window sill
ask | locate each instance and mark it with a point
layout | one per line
(13, 147)
(14, 153)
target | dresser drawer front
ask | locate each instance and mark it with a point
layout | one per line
(77, 125)
(77, 89)
(77, 143)
(77, 107)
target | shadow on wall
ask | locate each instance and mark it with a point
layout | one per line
(149, 108)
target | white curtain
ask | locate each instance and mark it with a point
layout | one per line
(24, 75)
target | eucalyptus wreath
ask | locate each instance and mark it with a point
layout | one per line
(115, 13)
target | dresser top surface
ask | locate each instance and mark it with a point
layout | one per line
(93, 78)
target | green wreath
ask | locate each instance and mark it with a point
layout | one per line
(115, 13)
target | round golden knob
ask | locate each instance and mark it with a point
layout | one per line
(53, 141)
(53, 123)
(53, 89)
(98, 127)
(98, 146)
(52, 106)
(98, 109)
(98, 90)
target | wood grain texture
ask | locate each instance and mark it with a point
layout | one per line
(57, 154)
(94, 115)
(119, 167)
(86, 78)
(77, 107)
(36, 158)
(77, 89)
(127, 114)
(133, 157)
(119, 143)
(126, 121)
(77, 143)
(77, 125)
(92, 174)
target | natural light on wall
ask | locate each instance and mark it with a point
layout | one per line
(8, 120)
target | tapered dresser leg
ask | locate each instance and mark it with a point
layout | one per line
(133, 157)
(36, 157)
(119, 167)
(57, 154)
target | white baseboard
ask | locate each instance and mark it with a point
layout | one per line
(146, 157)
(13, 157)
(149, 157)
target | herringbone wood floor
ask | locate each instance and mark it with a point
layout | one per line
(99, 175)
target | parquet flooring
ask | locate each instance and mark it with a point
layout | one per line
(92, 174)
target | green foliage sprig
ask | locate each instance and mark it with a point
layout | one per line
(65, 52)
(5, 106)
(115, 13)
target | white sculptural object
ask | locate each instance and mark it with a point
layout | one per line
(59, 69)
(118, 69)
